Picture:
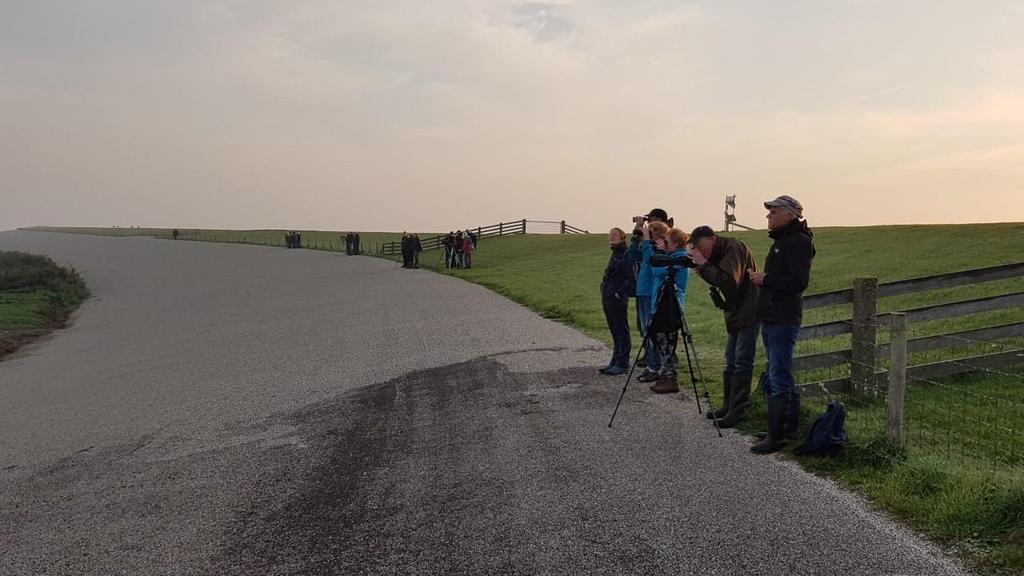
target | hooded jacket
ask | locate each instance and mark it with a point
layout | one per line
(787, 271)
(727, 271)
(618, 282)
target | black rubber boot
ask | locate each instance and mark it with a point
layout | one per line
(778, 415)
(726, 395)
(738, 403)
(793, 422)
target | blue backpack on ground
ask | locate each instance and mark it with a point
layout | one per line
(827, 435)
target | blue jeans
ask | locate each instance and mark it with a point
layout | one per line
(740, 351)
(779, 345)
(643, 309)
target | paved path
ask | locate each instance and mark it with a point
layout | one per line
(221, 409)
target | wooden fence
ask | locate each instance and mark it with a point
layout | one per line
(499, 229)
(864, 350)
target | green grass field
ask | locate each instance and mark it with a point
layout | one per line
(958, 482)
(36, 295)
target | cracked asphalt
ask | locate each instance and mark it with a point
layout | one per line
(225, 409)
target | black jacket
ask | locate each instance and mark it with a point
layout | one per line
(727, 271)
(618, 276)
(787, 271)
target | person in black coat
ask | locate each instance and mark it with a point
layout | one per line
(787, 272)
(357, 249)
(406, 250)
(617, 287)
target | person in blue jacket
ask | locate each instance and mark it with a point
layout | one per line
(617, 285)
(674, 245)
(641, 249)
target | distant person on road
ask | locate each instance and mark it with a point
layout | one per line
(666, 333)
(467, 252)
(348, 244)
(175, 233)
(449, 249)
(641, 248)
(406, 250)
(298, 239)
(787, 273)
(417, 247)
(617, 286)
(724, 263)
(459, 245)
(357, 247)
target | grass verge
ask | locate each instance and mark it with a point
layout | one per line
(36, 297)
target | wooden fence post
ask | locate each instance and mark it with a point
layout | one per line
(897, 380)
(501, 231)
(561, 229)
(864, 340)
(524, 226)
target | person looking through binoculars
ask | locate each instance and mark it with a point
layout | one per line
(724, 263)
(641, 247)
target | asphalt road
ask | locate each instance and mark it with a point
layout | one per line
(222, 409)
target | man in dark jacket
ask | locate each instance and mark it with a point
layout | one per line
(348, 244)
(617, 286)
(356, 248)
(787, 272)
(724, 263)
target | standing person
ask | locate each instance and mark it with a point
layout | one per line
(617, 285)
(665, 330)
(459, 239)
(472, 238)
(406, 250)
(724, 263)
(348, 244)
(449, 248)
(467, 252)
(640, 251)
(787, 272)
(356, 248)
(298, 239)
(417, 247)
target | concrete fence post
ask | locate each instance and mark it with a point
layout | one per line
(897, 380)
(863, 344)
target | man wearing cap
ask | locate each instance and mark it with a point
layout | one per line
(787, 272)
(640, 251)
(724, 263)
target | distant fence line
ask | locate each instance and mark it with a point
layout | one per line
(523, 226)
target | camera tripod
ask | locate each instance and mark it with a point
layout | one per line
(668, 316)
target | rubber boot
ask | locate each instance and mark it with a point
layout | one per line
(726, 396)
(738, 403)
(778, 416)
(666, 385)
(793, 422)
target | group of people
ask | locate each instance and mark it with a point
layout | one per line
(768, 303)
(293, 239)
(459, 248)
(352, 247)
(411, 248)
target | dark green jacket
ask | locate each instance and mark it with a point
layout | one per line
(727, 271)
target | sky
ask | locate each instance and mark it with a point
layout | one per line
(429, 116)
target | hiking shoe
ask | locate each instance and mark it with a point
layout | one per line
(648, 376)
(615, 371)
(666, 385)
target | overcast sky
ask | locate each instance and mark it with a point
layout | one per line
(436, 115)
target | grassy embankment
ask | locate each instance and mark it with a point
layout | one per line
(964, 486)
(312, 239)
(36, 296)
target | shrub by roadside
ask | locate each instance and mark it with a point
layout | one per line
(36, 297)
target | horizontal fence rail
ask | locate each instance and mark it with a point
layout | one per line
(520, 227)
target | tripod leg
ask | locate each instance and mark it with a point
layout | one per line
(628, 378)
(690, 346)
